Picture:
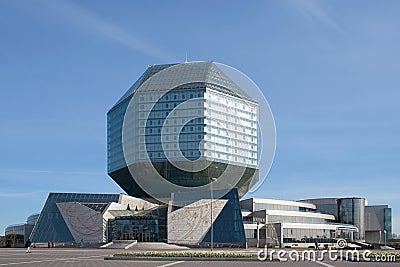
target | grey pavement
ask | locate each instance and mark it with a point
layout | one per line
(95, 257)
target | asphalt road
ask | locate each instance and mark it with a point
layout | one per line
(95, 257)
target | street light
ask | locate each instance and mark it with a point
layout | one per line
(211, 180)
(385, 236)
(211, 206)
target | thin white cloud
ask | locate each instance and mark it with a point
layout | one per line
(49, 172)
(311, 10)
(90, 22)
(20, 194)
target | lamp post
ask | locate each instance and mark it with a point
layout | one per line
(258, 234)
(211, 207)
(385, 232)
(211, 180)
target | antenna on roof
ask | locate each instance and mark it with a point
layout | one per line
(186, 58)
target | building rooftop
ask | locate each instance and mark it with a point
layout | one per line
(207, 73)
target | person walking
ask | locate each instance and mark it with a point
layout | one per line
(316, 246)
(28, 245)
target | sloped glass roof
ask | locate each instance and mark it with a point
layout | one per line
(147, 74)
(99, 207)
(132, 213)
(207, 72)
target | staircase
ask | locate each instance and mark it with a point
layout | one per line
(120, 244)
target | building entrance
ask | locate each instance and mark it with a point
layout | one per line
(140, 237)
(138, 228)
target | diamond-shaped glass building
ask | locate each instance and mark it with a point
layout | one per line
(191, 122)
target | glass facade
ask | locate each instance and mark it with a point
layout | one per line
(300, 217)
(328, 209)
(352, 211)
(188, 139)
(325, 205)
(51, 226)
(388, 222)
(142, 225)
(32, 219)
(296, 219)
(15, 235)
(269, 206)
(223, 128)
(298, 235)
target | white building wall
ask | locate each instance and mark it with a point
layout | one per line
(189, 225)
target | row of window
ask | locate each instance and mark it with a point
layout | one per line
(164, 114)
(175, 121)
(221, 107)
(168, 106)
(171, 95)
(185, 129)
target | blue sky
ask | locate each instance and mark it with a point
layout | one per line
(330, 71)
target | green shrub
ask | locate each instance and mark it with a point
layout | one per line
(186, 254)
